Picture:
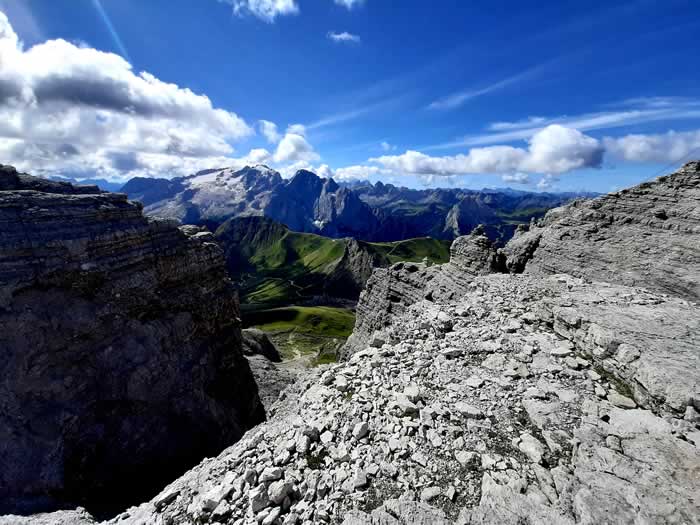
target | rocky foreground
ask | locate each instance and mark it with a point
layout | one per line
(121, 349)
(469, 395)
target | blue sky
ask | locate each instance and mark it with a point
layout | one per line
(554, 95)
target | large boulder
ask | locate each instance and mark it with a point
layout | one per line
(256, 342)
(121, 349)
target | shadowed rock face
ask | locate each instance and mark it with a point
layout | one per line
(121, 349)
(256, 342)
(643, 236)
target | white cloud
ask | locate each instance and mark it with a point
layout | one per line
(294, 148)
(297, 129)
(266, 10)
(359, 172)
(350, 4)
(344, 37)
(324, 171)
(630, 112)
(456, 100)
(667, 147)
(387, 147)
(269, 131)
(258, 156)
(517, 178)
(555, 149)
(69, 108)
(547, 182)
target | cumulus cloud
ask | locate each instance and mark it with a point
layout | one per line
(258, 156)
(269, 131)
(547, 182)
(517, 178)
(70, 108)
(294, 148)
(387, 147)
(358, 172)
(324, 171)
(297, 129)
(667, 147)
(350, 4)
(266, 10)
(344, 37)
(554, 149)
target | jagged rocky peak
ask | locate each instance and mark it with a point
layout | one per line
(476, 254)
(306, 182)
(643, 236)
(122, 361)
(253, 174)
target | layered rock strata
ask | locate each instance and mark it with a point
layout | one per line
(121, 348)
(642, 236)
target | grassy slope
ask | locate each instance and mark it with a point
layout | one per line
(315, 320)
(414, 250)
(295, 266)
(303, 330)
(292, 266)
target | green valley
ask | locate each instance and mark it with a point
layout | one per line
(274, 266)
(301, 288)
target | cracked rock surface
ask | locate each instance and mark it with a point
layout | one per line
(121, 348)
(461, 421)
(642, 236)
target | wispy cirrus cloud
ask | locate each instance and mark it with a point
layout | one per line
(626, 113)
(368, 109)
(460, 98)
(343, 38)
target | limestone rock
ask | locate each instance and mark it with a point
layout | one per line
(122, 362)
(622, 237)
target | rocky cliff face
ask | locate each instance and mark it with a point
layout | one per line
(643, 236)
(390, 291)
(121, 348)
(353, 269)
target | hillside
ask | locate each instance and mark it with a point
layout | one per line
(274, 265)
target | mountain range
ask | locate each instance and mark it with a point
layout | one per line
(312, 204)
